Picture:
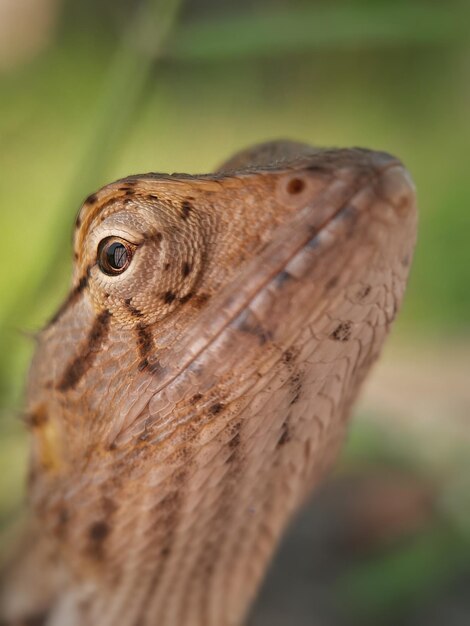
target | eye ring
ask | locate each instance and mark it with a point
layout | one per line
(114, 255)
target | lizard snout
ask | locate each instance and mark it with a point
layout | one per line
(397, 188)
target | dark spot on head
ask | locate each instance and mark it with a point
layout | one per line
(296, 385)
(144, 339)
(180, 477)
(195, 398)
(364, 292)
(200, 299)
(72, 297)
(347, 212)
(128, 184)
(75, 255)
(186, 269)
(314, 242)
(247, 323)
(107, 204)
(62, 522)
(187, 297)
(37, 418)
(295, 397)
(342, 332)
(406, 260)
(184, 453)
(152, 236)
(132, 309)
(97, 534)
(186, 208)
(167, 266)
(82, 363)
(83, 282)
(143, 365)
(143, 437)
(233, 456)
(216, 408)
(282, 278)
(92, 198)
(332, 282)
(98, 327)
(165, 552)
(98, 531)
(295, 185)
(169, 297)
(153, 367)
(234, 441)
(287, 356)
(151, 196)
(285, 435)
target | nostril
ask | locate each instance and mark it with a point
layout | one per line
(397, 188)
(295, 185)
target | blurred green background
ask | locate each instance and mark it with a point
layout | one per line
(93, 91)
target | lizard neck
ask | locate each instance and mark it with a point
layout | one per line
(198, 558)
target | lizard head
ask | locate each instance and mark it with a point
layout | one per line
(214, 322)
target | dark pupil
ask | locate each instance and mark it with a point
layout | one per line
(116, 255)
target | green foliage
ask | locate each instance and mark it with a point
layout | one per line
(314, 26)
(382, 589)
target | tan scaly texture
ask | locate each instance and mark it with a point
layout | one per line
(184, 401)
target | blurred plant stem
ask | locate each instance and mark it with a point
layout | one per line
(299, 29)
(129, 74)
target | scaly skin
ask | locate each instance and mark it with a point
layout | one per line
(182, 409)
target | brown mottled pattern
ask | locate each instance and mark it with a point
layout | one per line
(76, 369)
(182, 406)
(72, 297)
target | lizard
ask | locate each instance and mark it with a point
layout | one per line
(196, 383)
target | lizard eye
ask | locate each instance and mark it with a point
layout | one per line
(114, 255)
